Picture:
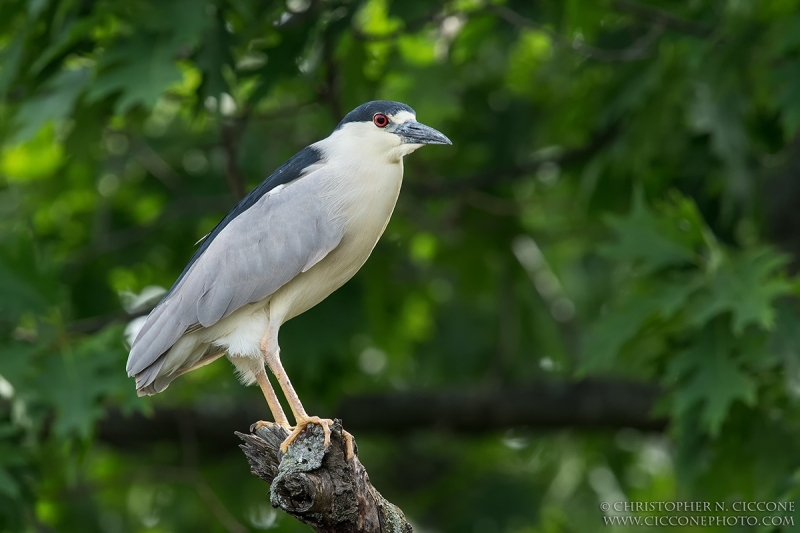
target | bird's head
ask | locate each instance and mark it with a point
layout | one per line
(386, 127)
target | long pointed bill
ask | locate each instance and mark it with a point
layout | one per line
(413, 132)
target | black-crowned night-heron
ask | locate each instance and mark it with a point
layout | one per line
(296, 238)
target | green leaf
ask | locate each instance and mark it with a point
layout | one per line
(787, 78)
(71, 34)
(35, 7)
(17, 362)
(745, 285)
(8, 486)
(376, 17)
(707, 375)
(141, 67)
(662, 299)
(76, 381)
(656, 241)
(282, 60)
(605, 339)
(27, 282)
(10, 61)
(785, 339)
(10, 455)
(54, 103)
(211, 58)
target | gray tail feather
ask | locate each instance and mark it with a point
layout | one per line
(145, 380)
(148, 382)
(152, 342)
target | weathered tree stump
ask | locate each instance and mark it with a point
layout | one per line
(319, 486)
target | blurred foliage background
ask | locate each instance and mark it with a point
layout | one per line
(621, 204)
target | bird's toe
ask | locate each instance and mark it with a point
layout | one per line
(350, 446)
(263, 423)
(258, 425)
(302, 424)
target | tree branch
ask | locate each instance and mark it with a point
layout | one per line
(317, 484)
(640, 49)
(585, 405)
(496, 176)
(329, 91)
(156, 165)
(409, 27)
(590, 404)
(666, 18)
(231, 132)
(177, 210)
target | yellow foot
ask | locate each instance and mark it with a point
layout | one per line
(260, 424)
(263, 423)
(349, 446)
(326, 424)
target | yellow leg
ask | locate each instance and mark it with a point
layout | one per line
(272, 357)
(272, 400)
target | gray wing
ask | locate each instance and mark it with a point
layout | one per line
(283, 234)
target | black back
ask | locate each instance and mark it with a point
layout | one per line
(287, 172)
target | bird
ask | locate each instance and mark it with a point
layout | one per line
(287, 245)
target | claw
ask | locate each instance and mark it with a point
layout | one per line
(350, 451)
(326, 424)
(258, 425)
(263, 423)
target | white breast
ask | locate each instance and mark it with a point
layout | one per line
(361, 187)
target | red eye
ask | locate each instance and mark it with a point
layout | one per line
(380, 120)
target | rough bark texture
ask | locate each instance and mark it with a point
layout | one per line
(318, 486)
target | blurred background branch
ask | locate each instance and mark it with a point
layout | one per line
(640, 49)
(588, 406)
(663, 17)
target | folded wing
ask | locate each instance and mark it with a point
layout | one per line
(283, 233)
